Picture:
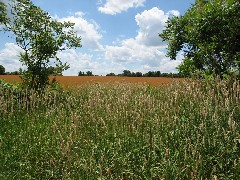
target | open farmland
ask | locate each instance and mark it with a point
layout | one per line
(79, 80)
(187, 130)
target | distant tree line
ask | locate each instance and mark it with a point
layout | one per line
(11, 73)
(88, 73)
(128, 73)
(52, 71)
(2, 71)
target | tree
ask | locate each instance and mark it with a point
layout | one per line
(2, 70)
(133, 74)
(149, 74)
(208, 34)
(80, 73)
(89, 73)
(3, 13)
(127, 73)
(111, 74)
(54, 71)
(158, 73)
(51, 70)
(187, 68)
(12, 73)
(41, 38)
(138, 74)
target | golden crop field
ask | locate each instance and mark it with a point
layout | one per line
(79, 80)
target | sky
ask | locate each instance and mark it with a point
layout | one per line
(116, 35)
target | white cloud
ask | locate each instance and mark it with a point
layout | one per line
(143, 53)
(79, 62)
(117, 6)
(9, 57)
(87, 62)
(151, 23)
(79, 14)
(88, 31)
(173, 13)
(146, 50)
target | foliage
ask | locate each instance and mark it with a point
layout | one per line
(12, 73)
(208, 34)
(153, 74)
(21, 96)
(123, 131)
(41, 38)
(88, 73)
(54, 71)
(7, 85)
(2, 70)
(80, 73)
(128, 73)
(3, 13)
(18, 93)
(111, 74)
(139, 74)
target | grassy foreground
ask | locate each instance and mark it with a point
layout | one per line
(187, 130)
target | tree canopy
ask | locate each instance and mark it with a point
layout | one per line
(88, 73)
(2, 70)
(41, 38)
(3, 17)
(208, 34)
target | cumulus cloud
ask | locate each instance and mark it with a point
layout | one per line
(173, 13)
(87, 30)
(80, 62)
(86, 62)
(117, 6)
(9, 57)
(146, 50)
(151, 23)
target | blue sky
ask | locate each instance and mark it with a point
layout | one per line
(116, 35)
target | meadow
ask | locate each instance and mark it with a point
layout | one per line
(183, 130)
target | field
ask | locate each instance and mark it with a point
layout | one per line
(79, 80)
(185, 130)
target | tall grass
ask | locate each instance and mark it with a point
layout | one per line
(187, 130)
